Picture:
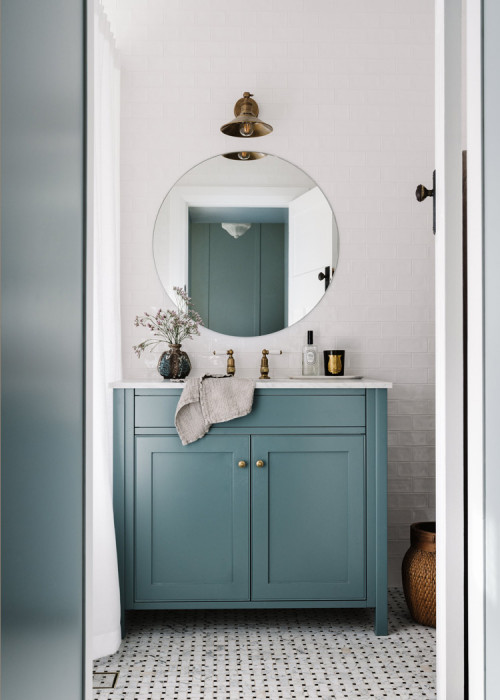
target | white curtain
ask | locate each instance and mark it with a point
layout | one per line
(106, 328)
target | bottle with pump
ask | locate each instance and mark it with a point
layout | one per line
(310, 358)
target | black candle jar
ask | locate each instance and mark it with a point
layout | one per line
(334, 362)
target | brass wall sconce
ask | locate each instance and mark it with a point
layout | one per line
(246, 123)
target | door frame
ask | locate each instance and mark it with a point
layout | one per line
(475, 340)
(449, 390)
(182, 197)
(449, 353)
(483, 59)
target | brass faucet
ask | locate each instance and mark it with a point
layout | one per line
(264, 365)
(264, 362)
(231, 367)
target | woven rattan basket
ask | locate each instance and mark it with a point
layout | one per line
(419, 573)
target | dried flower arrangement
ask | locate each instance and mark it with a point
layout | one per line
(171, 326)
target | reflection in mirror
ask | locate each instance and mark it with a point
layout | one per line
(254, 243)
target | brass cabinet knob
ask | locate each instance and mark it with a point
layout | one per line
(242, 464)
(259, 463)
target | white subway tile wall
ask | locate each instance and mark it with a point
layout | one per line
(349, 89)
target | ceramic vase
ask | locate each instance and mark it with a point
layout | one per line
(174, 363)
(419, 573)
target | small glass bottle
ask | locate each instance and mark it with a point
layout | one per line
(310, 358)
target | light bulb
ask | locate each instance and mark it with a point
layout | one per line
(244, 155)
(246, 129)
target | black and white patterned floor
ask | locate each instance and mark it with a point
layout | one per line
(269, 654)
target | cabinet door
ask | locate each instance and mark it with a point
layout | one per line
(308, 517)
(192, 519)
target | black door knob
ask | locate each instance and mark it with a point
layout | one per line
(325, 276)
(422, 193)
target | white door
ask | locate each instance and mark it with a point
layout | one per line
(310, 243)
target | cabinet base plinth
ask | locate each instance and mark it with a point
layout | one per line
(380, 625)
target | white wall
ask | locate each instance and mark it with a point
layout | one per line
(349, 89)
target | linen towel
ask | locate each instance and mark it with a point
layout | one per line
(207, 400)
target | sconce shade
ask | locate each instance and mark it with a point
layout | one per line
(244, 155)
(236, 230)
(246, 123)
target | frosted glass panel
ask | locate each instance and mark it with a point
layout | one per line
(42, 348)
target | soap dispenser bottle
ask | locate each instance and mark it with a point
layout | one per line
(310, 358)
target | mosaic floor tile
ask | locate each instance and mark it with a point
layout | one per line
(271, 655)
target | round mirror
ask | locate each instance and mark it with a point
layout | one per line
(254, 242)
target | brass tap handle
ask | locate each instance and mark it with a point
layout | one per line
(264, 365)
(242, 464)
(231, 367)
(259, 463)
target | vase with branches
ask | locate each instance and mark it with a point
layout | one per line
(171, 326)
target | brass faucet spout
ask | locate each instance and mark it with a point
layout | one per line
(264, 365)
(264, 362)
(231, 367)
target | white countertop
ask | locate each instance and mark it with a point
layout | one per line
(314, 383)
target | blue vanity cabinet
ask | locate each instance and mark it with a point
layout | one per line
(308, 517)
(303, 523)
(192, 518)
